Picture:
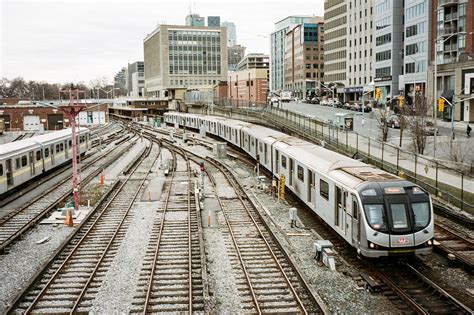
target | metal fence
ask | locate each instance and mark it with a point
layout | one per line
(449, 184)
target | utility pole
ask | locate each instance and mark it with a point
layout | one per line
(72, 110)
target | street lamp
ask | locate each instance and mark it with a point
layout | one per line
(333, 104)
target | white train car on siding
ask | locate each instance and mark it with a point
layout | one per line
(23, 160)
(376, 212)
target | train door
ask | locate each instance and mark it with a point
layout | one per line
(355, 220)
(32, 163)
(310, 187)
(9, 172)
(292, 166)
(51, 150)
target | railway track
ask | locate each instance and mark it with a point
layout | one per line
(419, 293)
(13, 225)
(267, 280)
(455, 243)
(171, 277)
(70, 281)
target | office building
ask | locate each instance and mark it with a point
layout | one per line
(231, 33)
(416, 49)
(235, 54)
(388, 36)
(254, 61)
(179, 57)
(336, 43)
(120, 79)
(194, 19)
(136, 79)
(304, 57)
(214, 21)
(278, 49)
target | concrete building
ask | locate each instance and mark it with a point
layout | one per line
(231, 33)
(336, 42)
(416, 49)
(120, 79)
(179, 57)
(136, 79)
(254, 60)
(388, 35)
(214, 21)
(304, 57)
(278, 49)
(194, 19)
(235, 54)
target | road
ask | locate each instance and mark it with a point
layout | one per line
(367, 124)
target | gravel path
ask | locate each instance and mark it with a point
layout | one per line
(25, 257)
(116, 292)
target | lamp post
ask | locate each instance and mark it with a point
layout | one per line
(333, 104)
(107, 92)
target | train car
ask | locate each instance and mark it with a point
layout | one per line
(377, 213)
(23, 160)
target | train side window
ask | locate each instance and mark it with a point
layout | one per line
(253, 143)
(46, 152)
(1, 169)
(57, 148)
(300, 173)
(324, 189)
(70, 143)
(17, 163)
(260, 147)
(61, 147)
(24, 161)
(283, 161)
(38, 155)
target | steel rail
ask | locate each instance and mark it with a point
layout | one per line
(37, 217)
(54, 276)
(236, 188)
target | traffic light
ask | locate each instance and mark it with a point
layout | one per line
(378, 93)
(401, 100)
(440, 104)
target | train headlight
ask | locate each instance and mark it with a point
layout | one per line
(429, 243)
(371, 245)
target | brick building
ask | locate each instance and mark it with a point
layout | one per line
(248, 85)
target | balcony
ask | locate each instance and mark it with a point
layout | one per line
(445, 3)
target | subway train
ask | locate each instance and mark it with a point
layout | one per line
(23, 160)
(376, 212)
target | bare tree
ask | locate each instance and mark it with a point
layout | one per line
(457, 150)
(384, 113)
(416, 122)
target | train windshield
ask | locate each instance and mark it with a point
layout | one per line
(399, 216)
(376, 217)
(421, 213)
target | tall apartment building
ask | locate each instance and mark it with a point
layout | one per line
(388, 35)
(231, 33)
(304, 57)
(235, 54)
(335, 40)
(136, 79)
(179, 57)
(214, 21)
(194, 19)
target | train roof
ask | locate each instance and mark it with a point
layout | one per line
(32, 142)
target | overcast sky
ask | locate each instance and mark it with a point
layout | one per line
(72, 40)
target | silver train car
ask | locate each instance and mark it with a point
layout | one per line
(377, 213)
(23, 160)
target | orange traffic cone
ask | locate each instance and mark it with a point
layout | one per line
(69, 221)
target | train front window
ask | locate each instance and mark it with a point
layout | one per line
(399, 216)
(421, 212)
(376, 217)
